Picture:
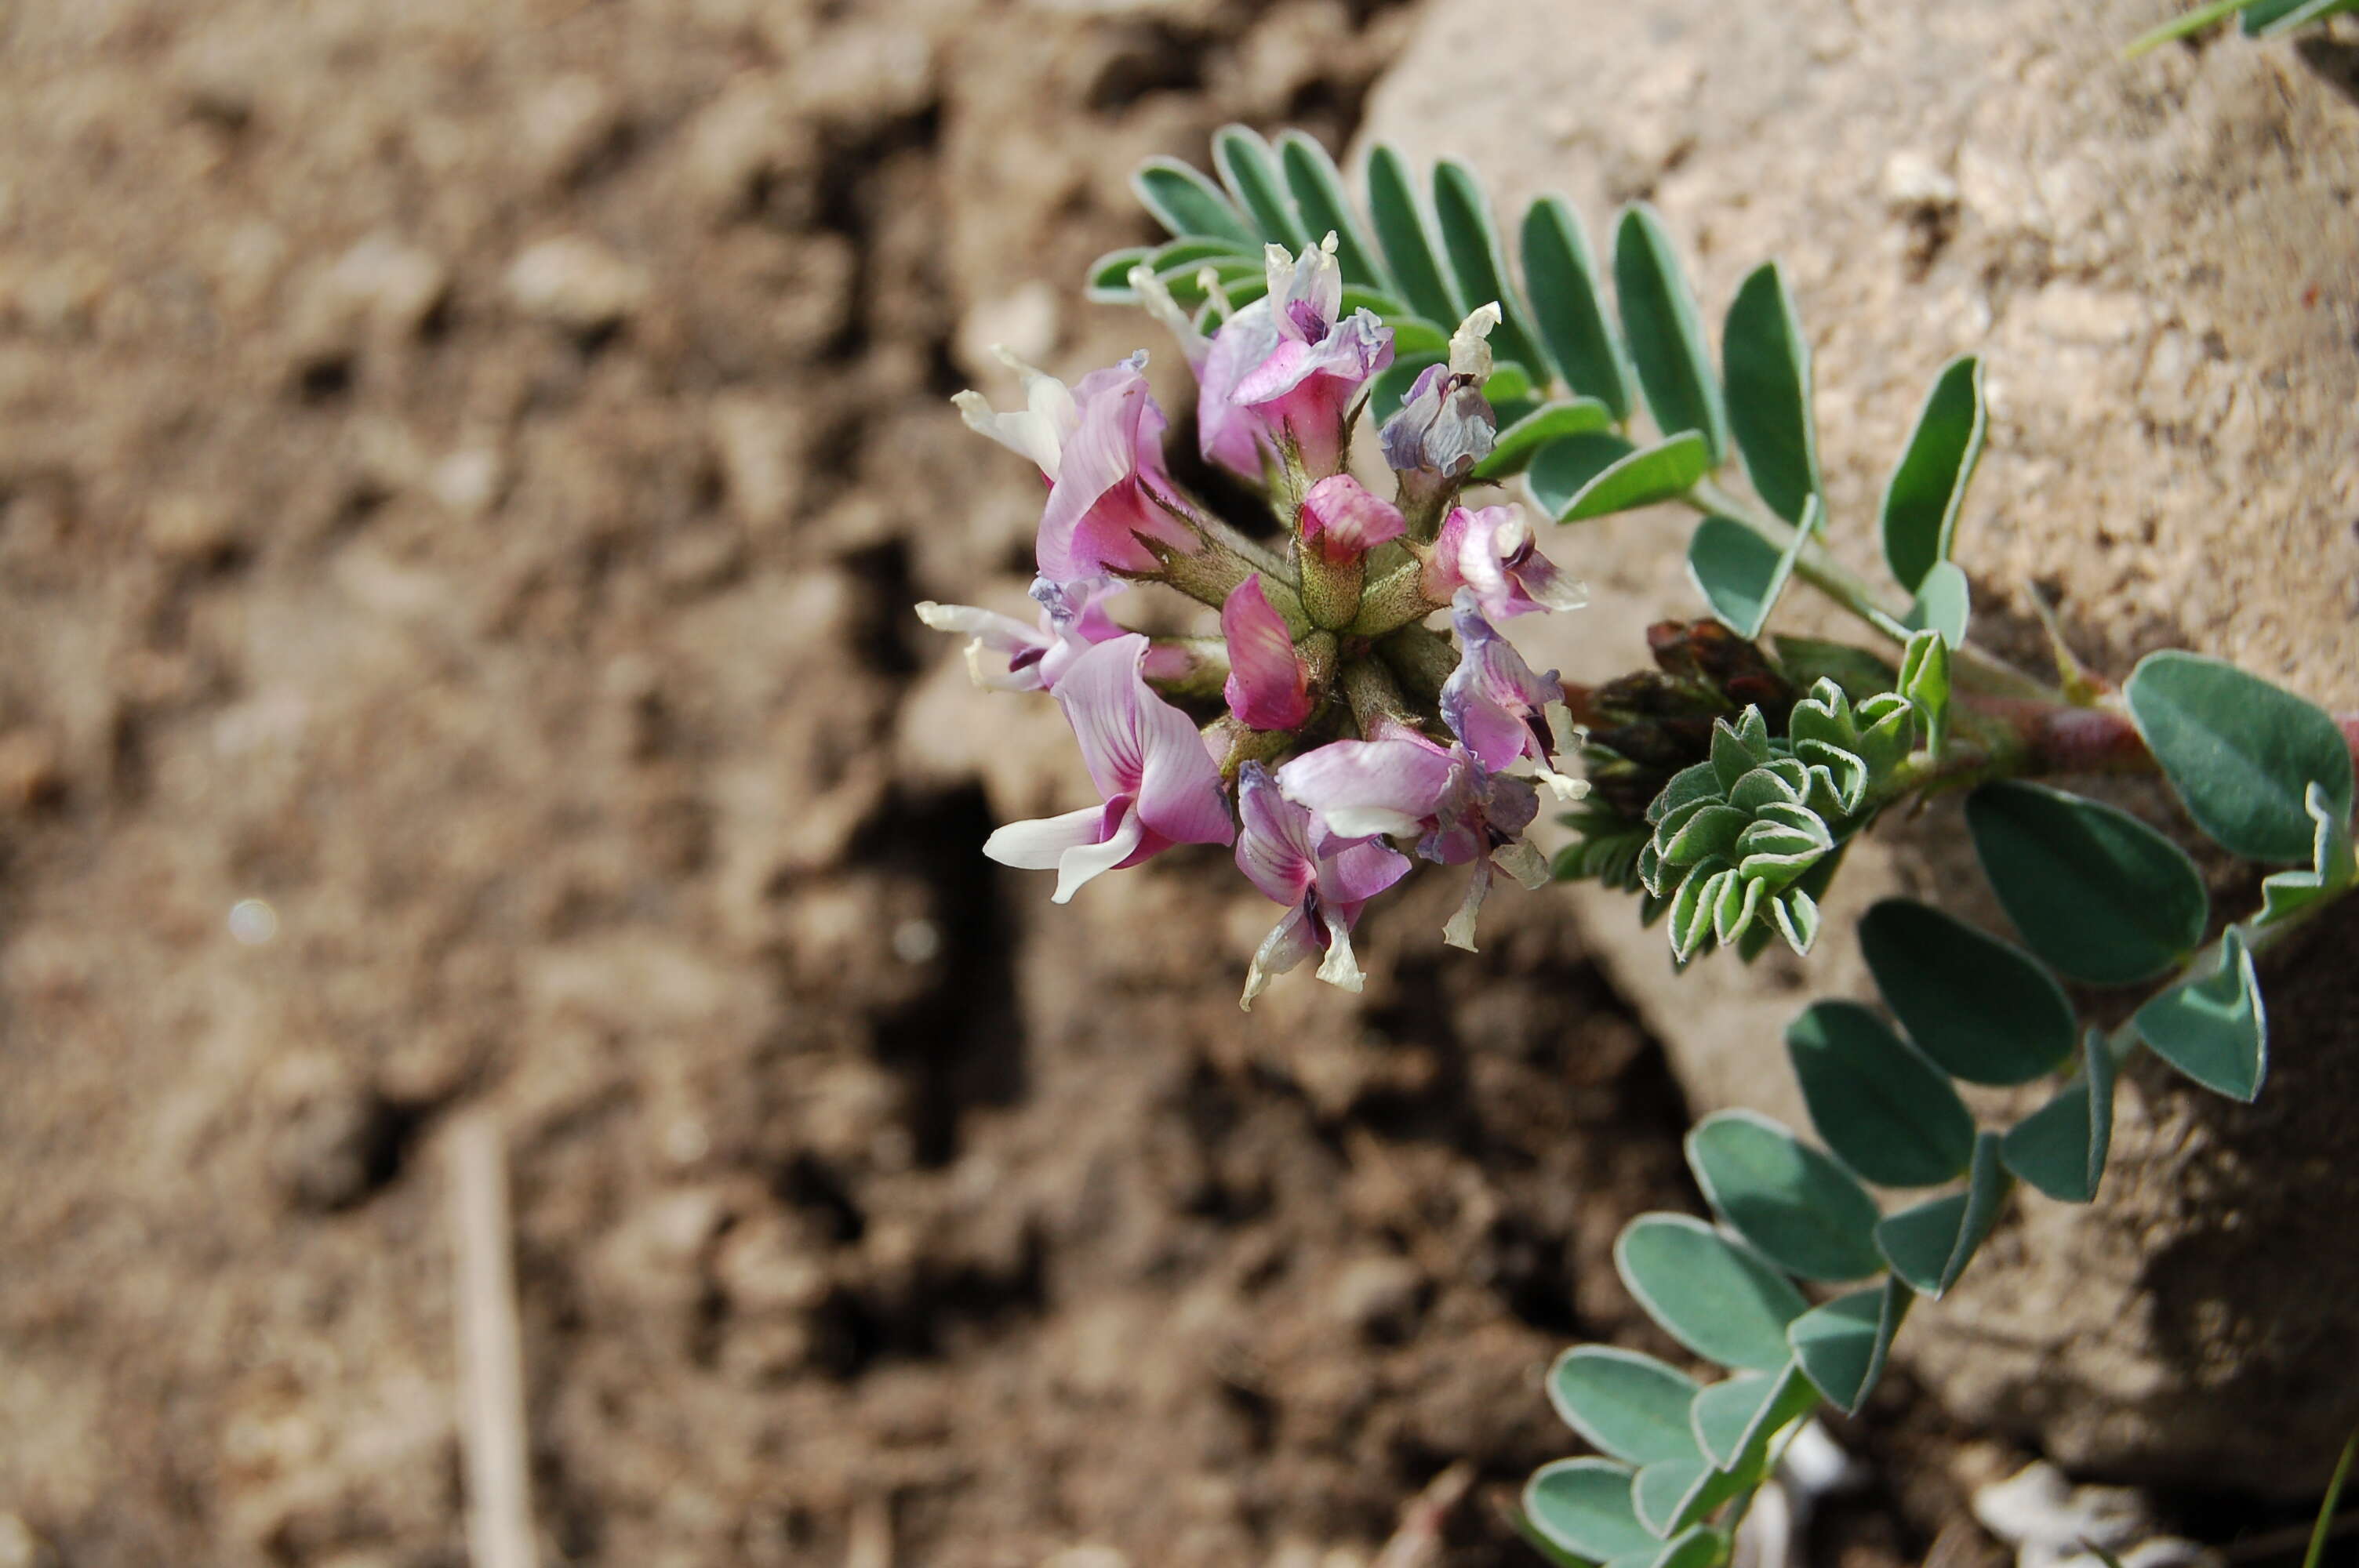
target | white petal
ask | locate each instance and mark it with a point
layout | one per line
(1287, 946)
(1085, 862)
(1460, 932)
(1341, 969)
(1469, 347)
(1037, 844)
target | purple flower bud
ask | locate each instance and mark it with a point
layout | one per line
(1342, 520)
(1492, 552)
(1267, 687)
(1159, 784)
(1445, 428)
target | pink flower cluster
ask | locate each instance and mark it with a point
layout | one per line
(1328, 729)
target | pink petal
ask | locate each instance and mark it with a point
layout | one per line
(1267, 687)
(1099, 501)
(1274, 847)
(1349, 877)
(1100, 694)
(1360, 788)
(1344, 520)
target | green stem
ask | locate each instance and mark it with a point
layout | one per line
(1814, 566)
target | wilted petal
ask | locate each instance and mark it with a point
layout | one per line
(1460, 930)
(1360, 788)
(1288, 943)
(1267, 687)
(1344, 520)
(1492, 551)
(1470, 346)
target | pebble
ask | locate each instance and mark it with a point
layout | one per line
(575, 283)
(1382, 1297)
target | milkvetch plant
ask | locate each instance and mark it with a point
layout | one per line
(1337, 726)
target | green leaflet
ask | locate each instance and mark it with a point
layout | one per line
(2095, 893)
(1798, 1208)
(1471, 239)
(1978, 1008)
(1244, 161)
(1712, 1295)
(2240, 752)
(1186, 203)
(1765, 362)
(1583, 1506)
(1635, 478)
(1733, 1421)
(1319, 197)
(1664, 333)
(1624, 1403)
(2213, 1029)
(2333, 868)
(1520, 442)
(1921, 503)
(1930, 1245)
(1944, 602)
(1567, 308)
(1676, 1493)
(1740, 572)
(1886, 1112)
(1563, 468)
(1407, 238)
(2060, 1148)
(1842, 1344)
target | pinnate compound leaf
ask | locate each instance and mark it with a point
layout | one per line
(1886, 1112)
(1325, 208)
(1944, 602)
(2240, 752)
(1980, 1009)
(2214, 1029)
(1187, 204)
(1767, 362)
(1624, 1403)
(1583, 1506)
(1714, 1296)
(2333, 868)
(1471, 239)
(1407, 238)
(1798, 1208)
(1842, 1344)
(2060, 1148)
(1930, 1245)
(1740, 572)
(1520, 442)
(1665, 335)
(1245, 167)
(1635, 478)
(1567, 308)
(1922, 501)
(2095, 893)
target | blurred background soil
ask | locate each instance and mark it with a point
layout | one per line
(464, 470)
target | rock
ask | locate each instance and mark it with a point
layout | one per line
(1380, 1298)
(575, 283)
(757, 442)
(2112, 238)
(334, 1139)
(741, 143)
(566, 123)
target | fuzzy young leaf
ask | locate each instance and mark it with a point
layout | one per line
(1634, 479)
(1665, 335)
(1522, 441)
(1624, 1403)
(1944, 602)
(1319, 197)
(1921, 503)
(1567, 308)
(1767, 365)
(2095, 893)
(2060, 1148)
(1712, 1295)
(1408, 239)
(1187, 203)
(1798, 1208)
(1886, 1112)
(1930, 1245)
(1246, 166)
(1739, 748)
(2333, 868)
(1978, 1008)
(2240, 752)
(1842, 1344)
(1584, 1506)
(2214, 1029)
(1470, 238)
(1740, 572)
(1925, 682)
